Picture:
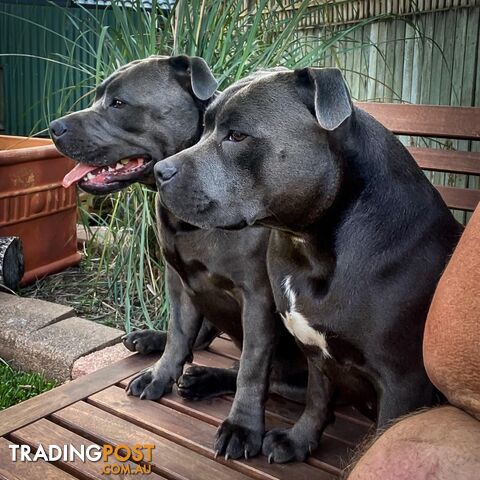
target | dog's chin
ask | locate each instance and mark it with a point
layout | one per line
(244, 222)
(207, 215)
(220, 225)
(235, 226)
(103, 189)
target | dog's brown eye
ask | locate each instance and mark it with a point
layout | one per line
(236, 136)
(116, 103)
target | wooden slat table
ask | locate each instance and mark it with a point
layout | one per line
(94, 410)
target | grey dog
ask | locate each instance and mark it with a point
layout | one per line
(359, 236)
(217, 280)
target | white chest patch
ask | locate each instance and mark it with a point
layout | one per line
(297, 324)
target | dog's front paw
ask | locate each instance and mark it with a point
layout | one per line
(147, 386)
(200, 382)
(235, 441)
(283, 445)
(145, 341)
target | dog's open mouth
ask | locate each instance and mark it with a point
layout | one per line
(108, 178)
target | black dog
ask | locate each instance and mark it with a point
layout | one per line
(144, 112)
(360, 236)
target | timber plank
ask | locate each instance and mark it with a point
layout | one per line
(199, 436)
(459, 198)
(426, 120)
(10, 470)
(279, 413)
(169, 459)
(209, 410)
(349, 427)
(42, 405)
(210, 359)
(225, 348)
(292, 410)
(446, 160)
(47, 433)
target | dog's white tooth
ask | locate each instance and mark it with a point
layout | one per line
(118, 166)
(111, 169)
(124, 161)
(85, 178)
(90, 175)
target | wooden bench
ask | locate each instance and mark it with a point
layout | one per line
(458, 123)
(95, 410)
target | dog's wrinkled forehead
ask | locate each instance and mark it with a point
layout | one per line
(254, 102)
(132, 78)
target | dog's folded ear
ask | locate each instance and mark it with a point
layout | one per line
(202, 81)
(332, 101)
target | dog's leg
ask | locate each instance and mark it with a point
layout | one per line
(289, 375)
(154, 341)
(291, 387)
(206, 335)
(284, 444)
(396, 398)
(199, 382)
(183, 328)
(242, 432)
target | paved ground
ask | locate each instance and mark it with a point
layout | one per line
(48, 338)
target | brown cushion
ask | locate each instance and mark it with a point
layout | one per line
(451, 345)
(441, 444)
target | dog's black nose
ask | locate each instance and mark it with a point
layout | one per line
(58, 128)
(164, 171)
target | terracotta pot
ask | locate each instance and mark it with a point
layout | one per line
(35, 207)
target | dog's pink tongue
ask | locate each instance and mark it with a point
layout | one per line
(73, 176)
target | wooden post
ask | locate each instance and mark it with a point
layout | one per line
(11, 262)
